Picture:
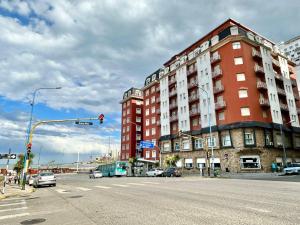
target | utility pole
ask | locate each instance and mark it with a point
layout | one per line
(5, 178)
(77, 161)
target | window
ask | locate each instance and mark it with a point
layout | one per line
(198, 143)
(153, 89)
(147, 122)
(153, 109)
(195, 122)
(186, 145)
(138, 128)
(152, 99)
(240, 77)
(153, 120)
(166, 147)
(243, 93)
(245, 111)
(188, 163)
(128, 128)
(211, 142)
(127, 155)
(226, 140)
(201, 163)
(238, 61)
(236, 45)
(153, 131)
(138, 110)
(221, 116)
(138, 137)
(147, 132)
(147, 112)
(250, 162)
(147, 101)
(279, 139)
(249, 138)
(297, 141)
(153, 153)
(147, 154)
(128, 111)
(147, 92)
(176, 146)
(138, 119)
(268, 138)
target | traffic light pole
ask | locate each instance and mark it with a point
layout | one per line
(100, 118)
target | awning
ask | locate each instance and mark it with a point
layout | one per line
(216, 160)
(201, 160)
(188, 160)
(147, 161)
(278, 160)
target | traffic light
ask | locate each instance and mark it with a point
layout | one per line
(101, 117)
(29, 148)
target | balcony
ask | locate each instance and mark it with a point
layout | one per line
(158, 111)
(172, 93)
(157, 89)
(220, 105)
(261, 85)
(291, 70)
(173, 106)
(276, 63)
(172, 81)
(218, 89)
(278, 76)
(157, 100)
(173, 118)
(216, 73)
(158, 122)
(194, 112)
(255, 53)
(296, 97)
(215, 58)
(284, 107)
(193, 98)
(259, 69)
(191, 71)
(264, 102)
(281, 91)
(192, 84)
(293, 82)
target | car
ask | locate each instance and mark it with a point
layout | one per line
(43, 179)
(31, 179)
(172, 172)
(154, 172)
(95, 174)
(293, 168)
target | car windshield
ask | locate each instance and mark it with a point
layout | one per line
(295, 165)
(46, 174)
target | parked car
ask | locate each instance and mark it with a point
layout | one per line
(154, 172)
(31, 179)
(96, 174)
(172, 172)
(45, 178)
(293, 168)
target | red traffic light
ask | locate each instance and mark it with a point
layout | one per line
(29, 145)
(101, 117)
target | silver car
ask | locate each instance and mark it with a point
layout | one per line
(293, 168)
(46, 178)
(95, 174)
(154, 172)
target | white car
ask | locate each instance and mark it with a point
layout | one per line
(293, 168)
(96, 174)
(31, 179)
(154, 172)
(44, 178)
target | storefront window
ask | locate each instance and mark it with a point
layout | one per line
(250, 162)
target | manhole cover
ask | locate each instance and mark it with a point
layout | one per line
(76, 196)
(33, 221)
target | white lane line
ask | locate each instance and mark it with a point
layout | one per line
(13, 216)
(83, 189)
(61, 191)
(11, 199)
(15, 203)
(148, 182)
(14, 209)
(103, 187)
(120, 185)
(137, 184)
(258, 210)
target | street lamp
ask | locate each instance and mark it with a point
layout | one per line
(26, 155)
(282, 141)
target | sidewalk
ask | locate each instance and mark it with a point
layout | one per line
(12, 190)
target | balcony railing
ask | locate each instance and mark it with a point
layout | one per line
(294, 82)
(220, 105)
(173, 106)
(172, 81)
(172, 93)
(194, 112)
(193, 84)
(258, 69)
(191, 71)
(256, 53)
(215, 58)
(173, 118)
(264, 102)
(278, 76)
(261, 85)
(280, 91)
(284, 106)
(218, 89)
(193, 98)
(291, 70)
(275, 62)
(216, 73)
(157, 111)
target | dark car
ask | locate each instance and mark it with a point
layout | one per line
(172, 172)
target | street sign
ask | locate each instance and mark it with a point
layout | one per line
(8, 156)
(146, 144)
(83, 123)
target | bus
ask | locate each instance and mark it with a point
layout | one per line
(117, 168)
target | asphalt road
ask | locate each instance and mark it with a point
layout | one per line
(143, 201)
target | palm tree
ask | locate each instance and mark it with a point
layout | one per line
(170, 161)
(20, 164)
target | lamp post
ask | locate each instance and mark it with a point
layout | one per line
(282, 141)
(26, 155)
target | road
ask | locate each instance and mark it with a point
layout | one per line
(146, 201)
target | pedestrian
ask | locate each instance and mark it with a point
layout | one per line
(15, 178)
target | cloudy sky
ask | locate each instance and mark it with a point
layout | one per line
(97, 49)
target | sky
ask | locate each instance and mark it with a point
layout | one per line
(97, 49)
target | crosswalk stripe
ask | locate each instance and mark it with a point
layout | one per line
(103, 187)
(11, 199)
(13, 209)
(120, 185)
(15, 203)
(83, 189)
(61, 191)
(148, 182)
(13, 216)
(138, 184)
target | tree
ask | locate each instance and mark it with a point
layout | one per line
(170, 161)
(20, 164)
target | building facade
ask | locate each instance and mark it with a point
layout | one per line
(224, 101)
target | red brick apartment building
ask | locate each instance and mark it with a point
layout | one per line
(235, 83)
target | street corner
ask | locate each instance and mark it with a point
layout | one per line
(16, 191)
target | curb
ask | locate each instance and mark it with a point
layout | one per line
(17, 194)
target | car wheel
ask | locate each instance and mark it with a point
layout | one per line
(54, 185)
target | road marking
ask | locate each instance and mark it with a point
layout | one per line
(148, 182)
(120, 185)
(258, 210)
(13, 216)
(138, 184)
(61, 191)
(12, 199)
(15, 203)
(83, 189)
(103, 187)
(6, 210)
